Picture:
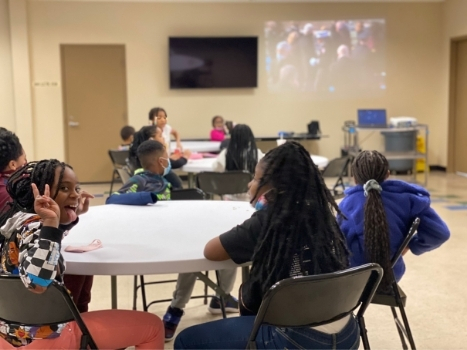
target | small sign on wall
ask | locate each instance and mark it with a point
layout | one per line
(45, 84)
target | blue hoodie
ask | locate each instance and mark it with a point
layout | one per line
(403, 202)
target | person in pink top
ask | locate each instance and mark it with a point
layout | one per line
(218, 132)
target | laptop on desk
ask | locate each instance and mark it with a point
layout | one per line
(372, 118)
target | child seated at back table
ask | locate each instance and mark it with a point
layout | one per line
(241, 154)
(379, 213)
(219, 129)
(126, 134)
(148, 184)
(153, 132)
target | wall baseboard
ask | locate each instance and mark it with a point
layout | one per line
(437, 168)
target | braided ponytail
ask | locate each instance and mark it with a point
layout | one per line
(370, 168)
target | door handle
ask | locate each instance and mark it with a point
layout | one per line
(73, 124)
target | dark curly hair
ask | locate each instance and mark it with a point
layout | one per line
(10, 148)
(154, 112)
(372, 165)
(19, 185)
(300, 215)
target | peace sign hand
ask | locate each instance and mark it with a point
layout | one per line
(46, 207)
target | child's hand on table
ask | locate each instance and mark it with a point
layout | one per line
(46, 207)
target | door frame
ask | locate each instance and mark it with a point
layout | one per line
(452, 101)
(63, 80)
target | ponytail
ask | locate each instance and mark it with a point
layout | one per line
(370, 169)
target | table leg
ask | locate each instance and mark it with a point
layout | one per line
(113, 286)
(191, 180)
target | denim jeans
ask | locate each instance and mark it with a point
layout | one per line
(233, 333)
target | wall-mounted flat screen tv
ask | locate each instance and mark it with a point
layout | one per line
(213, 62)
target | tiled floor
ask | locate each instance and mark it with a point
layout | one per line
(434, 282)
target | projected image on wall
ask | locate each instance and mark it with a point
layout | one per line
(342, 57)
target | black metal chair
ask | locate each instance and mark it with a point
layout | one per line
(18, 305)
(221, 184)
(397, 298)
(312, 301)
(121, 170)
(185, 194)
(337, 168)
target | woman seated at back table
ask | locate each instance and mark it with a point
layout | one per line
(294, 232)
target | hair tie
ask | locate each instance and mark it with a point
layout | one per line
(371, 185)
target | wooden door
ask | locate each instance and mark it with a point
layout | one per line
(95, 107)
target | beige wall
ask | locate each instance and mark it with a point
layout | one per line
(7, 110)
(454, 26)
(413, 61)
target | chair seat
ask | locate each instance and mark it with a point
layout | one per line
(389, 299)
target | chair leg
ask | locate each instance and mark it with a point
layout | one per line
(363, 332)
(135, 291)
(113, 180)
(206, 289)
(399, 330)
(407, 327)
(143, 293)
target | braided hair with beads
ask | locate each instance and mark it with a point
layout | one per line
(300, 215)
(40, 173)
(372, 165)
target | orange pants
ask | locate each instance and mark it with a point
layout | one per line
(110, 329)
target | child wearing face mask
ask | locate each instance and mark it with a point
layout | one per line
(148, 184)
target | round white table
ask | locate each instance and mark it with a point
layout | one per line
(199, 146)
(168, 237)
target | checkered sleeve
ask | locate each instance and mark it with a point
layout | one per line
(39, 252)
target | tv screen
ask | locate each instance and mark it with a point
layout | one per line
(220, 62)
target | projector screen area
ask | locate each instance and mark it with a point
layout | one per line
(341, 57)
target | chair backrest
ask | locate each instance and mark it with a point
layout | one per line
(319, 299)
(230, 182)
(336, 167)
(124, 174)
(405, 243)
(119, 158)
(19, 305)
(187, 194)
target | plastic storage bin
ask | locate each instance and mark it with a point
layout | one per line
(400, 142)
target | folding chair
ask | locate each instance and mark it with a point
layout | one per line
(221, 184)
(19, 305)
(337, 168)
(185, 194)
(316, 300)
(121, 170)
(398, 298)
